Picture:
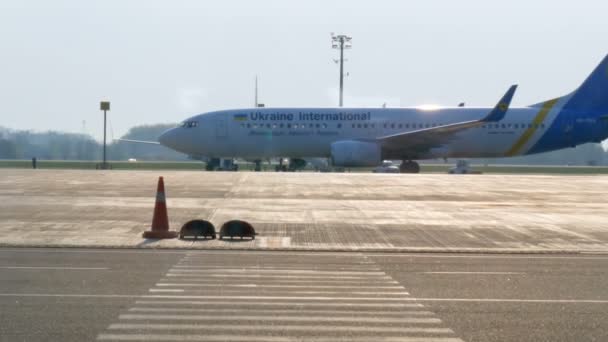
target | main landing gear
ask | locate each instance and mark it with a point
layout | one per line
(220, 164)
(281, 166)
(293, 164)
(409, 166)
(258, 166)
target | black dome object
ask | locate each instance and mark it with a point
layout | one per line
(236, 228)
(196, 228)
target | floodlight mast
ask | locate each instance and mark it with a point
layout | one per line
(105, 106)
(341, 42)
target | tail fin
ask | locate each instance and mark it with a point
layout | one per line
(592, 95)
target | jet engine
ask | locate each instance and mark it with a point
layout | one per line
(351, 153)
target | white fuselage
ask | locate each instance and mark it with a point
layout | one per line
(258, 133)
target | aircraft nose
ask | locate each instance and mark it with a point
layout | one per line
(169, 138)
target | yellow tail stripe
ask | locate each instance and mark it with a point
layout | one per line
(523, 139)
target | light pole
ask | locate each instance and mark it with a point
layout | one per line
(341, 42)
(105, 106)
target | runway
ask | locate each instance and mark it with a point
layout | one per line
(169, 295)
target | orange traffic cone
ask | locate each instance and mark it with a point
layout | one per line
(160, 221)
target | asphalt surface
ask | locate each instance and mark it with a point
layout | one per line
(137, 295)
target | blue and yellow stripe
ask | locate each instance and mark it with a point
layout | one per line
(529, 132)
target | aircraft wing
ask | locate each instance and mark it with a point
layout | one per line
(422, 140)
(139, 141)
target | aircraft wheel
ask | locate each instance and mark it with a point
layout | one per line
(409, 166)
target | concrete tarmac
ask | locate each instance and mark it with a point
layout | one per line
(310, 211)
(164, 295)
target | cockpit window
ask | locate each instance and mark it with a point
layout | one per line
(189, 124)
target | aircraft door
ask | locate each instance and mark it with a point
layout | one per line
(221, 128)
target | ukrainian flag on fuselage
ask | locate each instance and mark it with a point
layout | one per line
(240, 117)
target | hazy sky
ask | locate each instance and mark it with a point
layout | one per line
(162, 61)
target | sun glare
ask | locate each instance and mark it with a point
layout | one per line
(429, 107)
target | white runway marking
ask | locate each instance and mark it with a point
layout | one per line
(203, 280)
(278, 303)
(473, 272)
(278, 292)
(269, 276)
(303, 328)
(215, 285)
(296, 305)
(278, 267)
(279, 271)
(249, 338)
(54, 268)
(305, 298)
(220, 312)
(260, 318)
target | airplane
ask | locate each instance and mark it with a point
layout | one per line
(352, 137)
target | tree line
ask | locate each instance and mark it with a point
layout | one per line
(72, 146)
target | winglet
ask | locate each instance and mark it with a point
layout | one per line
(501, 107)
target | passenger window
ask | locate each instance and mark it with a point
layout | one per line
(339, 125)
(393, 125)
(400, 125)
(364, 125)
